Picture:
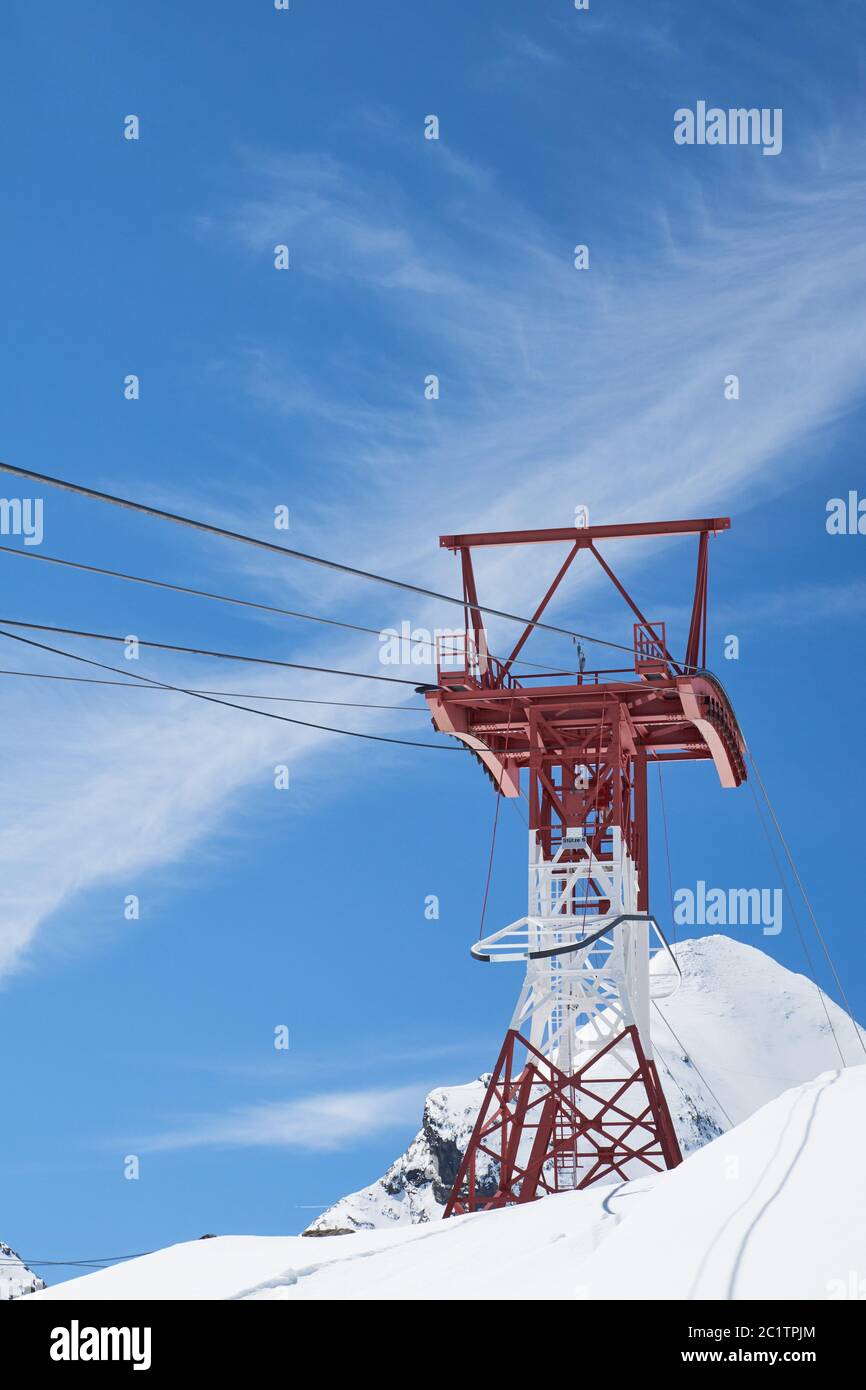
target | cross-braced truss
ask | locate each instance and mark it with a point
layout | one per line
(546, 1130)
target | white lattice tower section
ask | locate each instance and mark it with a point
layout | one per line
(573, 1001)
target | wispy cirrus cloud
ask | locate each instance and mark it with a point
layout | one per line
(562, 387)
(800, 605)
(558, 388)
(319, 1123)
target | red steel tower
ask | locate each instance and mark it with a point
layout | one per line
(575, 1096)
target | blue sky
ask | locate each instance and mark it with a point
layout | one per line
(305, 388)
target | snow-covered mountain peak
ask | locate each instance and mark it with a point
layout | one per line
(740, 1030)
(15, 1278)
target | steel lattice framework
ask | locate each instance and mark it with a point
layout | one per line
(575, 1096)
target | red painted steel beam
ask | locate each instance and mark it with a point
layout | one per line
(528, 630)
(585, 535)
(698, 625)
(632, 605)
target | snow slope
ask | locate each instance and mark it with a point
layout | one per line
(750, 1028)
(764, 1211)
(15, 1278)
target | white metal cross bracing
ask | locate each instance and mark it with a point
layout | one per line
(574, 1001)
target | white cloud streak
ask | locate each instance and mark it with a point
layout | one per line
(559, 388)
(321, 1123)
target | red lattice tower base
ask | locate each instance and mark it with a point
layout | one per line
(545, 1132)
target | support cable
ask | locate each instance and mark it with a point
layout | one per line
(81, 491)
(228, 598)
(820, 935)
(667, 851)
(691, 1062)
(102, 1263)
(231, 694)
(495, 821)
(800, 934)
(248, 709)
(205, 651)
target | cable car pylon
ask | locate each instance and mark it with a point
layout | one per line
(575, 1097)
